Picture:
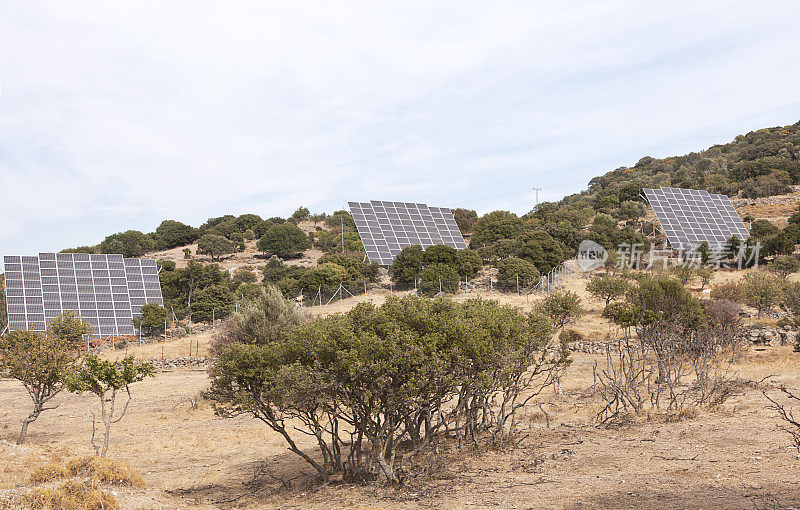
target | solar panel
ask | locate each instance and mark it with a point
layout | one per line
(689, 216)
(106, 290)
(386, 228)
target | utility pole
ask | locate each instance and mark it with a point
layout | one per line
(537, 190)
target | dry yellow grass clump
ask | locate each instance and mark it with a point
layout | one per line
(71, 495)
(95, 469)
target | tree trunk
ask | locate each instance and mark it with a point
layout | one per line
(30, 419)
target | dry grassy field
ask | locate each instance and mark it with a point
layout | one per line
(731, 456)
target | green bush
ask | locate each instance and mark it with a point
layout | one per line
(152, 320)
(509, 269)
(365, 382)
(215, 301)
(762, 291)
(562, 307)
(465, 219)
(408, 265)
(244, 275)
(732, 291)
(495, 226)
(214, 245)
(438, 278)
(784, 265)
(128, 244)
(284, 240)
(607, 288)
(339, 218)
(171, 234)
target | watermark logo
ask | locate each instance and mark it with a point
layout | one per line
(591, 256)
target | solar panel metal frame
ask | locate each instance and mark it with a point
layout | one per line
(96, 286)
(387, 227)
(688, 217)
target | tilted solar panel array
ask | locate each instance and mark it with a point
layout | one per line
(689, 216)
(106, 290)
(386, 227)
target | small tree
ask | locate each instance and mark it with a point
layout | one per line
(563, 307)
(407, 265)
(465, 219)
(284, 240)
(106, 379)
(791, 300)
(762, 291)
(301, 214)
(213, 302)
(705, 274)
(438, 278)
(153, 319)
(262, 320)
(69, 326)
(215, 245)
(705, 252)
(513, 270)
(684, 273)
(631, 210)
(244, 275)
(784, 265)
(607, 288)
(39, 362)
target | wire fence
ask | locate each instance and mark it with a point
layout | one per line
(556, 278)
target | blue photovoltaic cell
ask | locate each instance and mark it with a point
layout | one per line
(106, 290)
(386, 228)
(689, 217)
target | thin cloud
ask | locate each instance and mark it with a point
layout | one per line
(119, 115)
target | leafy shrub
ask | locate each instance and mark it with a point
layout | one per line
(508, 270)
(131, 243)
(762, 291)
(375, 382)
(607, 288)
(495, 226)
(562, 307)
(261, 321)
(438, 278)
(791, 299)
(732, 291)
(680, 357)
(784, 265)
(214, 302)
(540, 248)
(339, 218)
(171, 234)
(408, 265)
(284, 240)
(244, 274)
(214, 245)
(152, 320)
(465, 219)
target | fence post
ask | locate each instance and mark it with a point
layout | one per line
(517, 285)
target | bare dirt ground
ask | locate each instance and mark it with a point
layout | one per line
(776, 209)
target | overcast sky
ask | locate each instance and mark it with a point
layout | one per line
(117, 115)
